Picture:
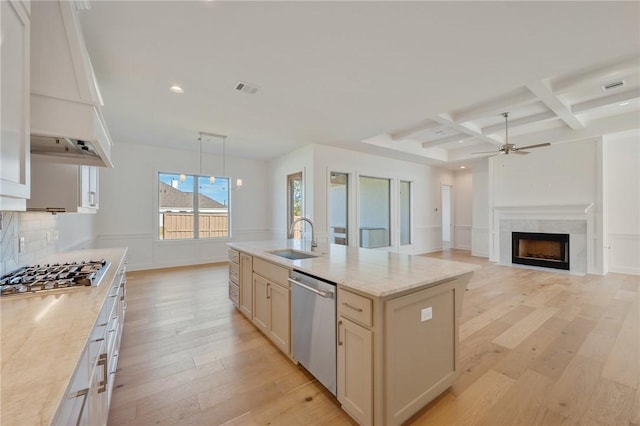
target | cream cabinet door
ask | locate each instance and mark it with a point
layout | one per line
(355, 370)
(246, 291)
(279, 318)
(89, 186)
(260, 303)
(14, 104)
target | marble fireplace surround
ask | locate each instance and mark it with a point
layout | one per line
(575, 220)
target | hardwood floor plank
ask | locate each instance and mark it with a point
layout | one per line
(571, 394)
(523, 328)
(610, 404)
(521, 404)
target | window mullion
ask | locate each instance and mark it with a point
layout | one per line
(196, 208)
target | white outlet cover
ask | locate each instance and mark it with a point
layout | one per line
(426, 314)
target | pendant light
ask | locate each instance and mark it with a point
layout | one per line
(212, 179)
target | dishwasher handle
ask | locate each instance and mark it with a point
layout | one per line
(325, 294)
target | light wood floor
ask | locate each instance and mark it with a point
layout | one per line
(537, 348)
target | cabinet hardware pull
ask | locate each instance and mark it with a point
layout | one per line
(325, 294)
(84, 393)
(99, 339)
(339, 341)
(102, 360)
(351, 307)
(268, 292)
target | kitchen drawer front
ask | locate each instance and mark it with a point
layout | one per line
(234, 293)
(234, 272)
(234, 256)
(355, 307)
(274, 273)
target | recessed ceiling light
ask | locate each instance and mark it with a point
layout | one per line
(623, 103)
(460, 141)
(176, 89)
(463, 167)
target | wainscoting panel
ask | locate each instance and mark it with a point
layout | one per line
(145, 252)
(462, 237)
(480, 242)
(624, 253)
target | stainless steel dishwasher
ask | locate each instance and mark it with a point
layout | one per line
(314, 326)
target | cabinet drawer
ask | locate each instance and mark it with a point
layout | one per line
(234, 293)
(234, 274)
(234, 256)
(356, 307)
(274, 273)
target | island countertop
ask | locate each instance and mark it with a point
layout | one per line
(373, 272)
(43, 336)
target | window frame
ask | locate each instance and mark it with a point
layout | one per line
(196, 207)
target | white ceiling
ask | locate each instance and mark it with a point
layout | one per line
(380, 77)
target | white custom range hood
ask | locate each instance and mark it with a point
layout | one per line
(66, 117)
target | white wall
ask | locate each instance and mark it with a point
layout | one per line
(128, 205)
(462, 209)
(560, 174)
(480, 209)
(300, 160)
(621, 154)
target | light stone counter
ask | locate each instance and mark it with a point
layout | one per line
(43, 336)
(373, 272)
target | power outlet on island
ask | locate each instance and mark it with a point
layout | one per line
(426, 314)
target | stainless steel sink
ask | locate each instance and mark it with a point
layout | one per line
(293, 254)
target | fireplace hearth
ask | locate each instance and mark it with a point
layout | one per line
(540, 249)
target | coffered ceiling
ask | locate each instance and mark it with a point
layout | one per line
(422, 81)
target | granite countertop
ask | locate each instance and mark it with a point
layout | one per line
(373, 272)
(43, 336)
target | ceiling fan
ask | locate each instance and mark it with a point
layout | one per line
(509, 148)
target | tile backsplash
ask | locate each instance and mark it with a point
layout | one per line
(38, 231)
(41, 233)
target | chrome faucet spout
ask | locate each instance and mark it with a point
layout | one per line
(314, 243)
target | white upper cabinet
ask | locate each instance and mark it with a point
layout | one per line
(66, 117)
(14, 100)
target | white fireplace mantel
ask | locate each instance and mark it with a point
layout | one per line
(558, 209)
(558, 212)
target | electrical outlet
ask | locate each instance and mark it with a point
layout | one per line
(55, 235)
(426, 314)
(21, 244)
(49, 236)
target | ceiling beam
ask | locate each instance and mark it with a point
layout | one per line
(454, 138)
(405, 133)
(607, 100)
(542, 91)
(596, 77)
(543, 116)
(467, 128)
(496, 106)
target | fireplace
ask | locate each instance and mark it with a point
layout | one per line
(540, 249)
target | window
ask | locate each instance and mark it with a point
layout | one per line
(375, 218)
(191, 206)
(405, 212)
(294, 204)
(339, 213)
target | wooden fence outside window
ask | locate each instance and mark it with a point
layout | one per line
(180, 225)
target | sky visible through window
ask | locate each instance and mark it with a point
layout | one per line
(217, 190)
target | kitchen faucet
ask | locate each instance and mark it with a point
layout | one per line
(314, 243)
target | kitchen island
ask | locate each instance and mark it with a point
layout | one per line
(49, 340)
(397, 319)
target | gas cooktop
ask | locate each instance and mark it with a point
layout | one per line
(36, 278)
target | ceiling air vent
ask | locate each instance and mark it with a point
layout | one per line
(612, 85)
(246, 87)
